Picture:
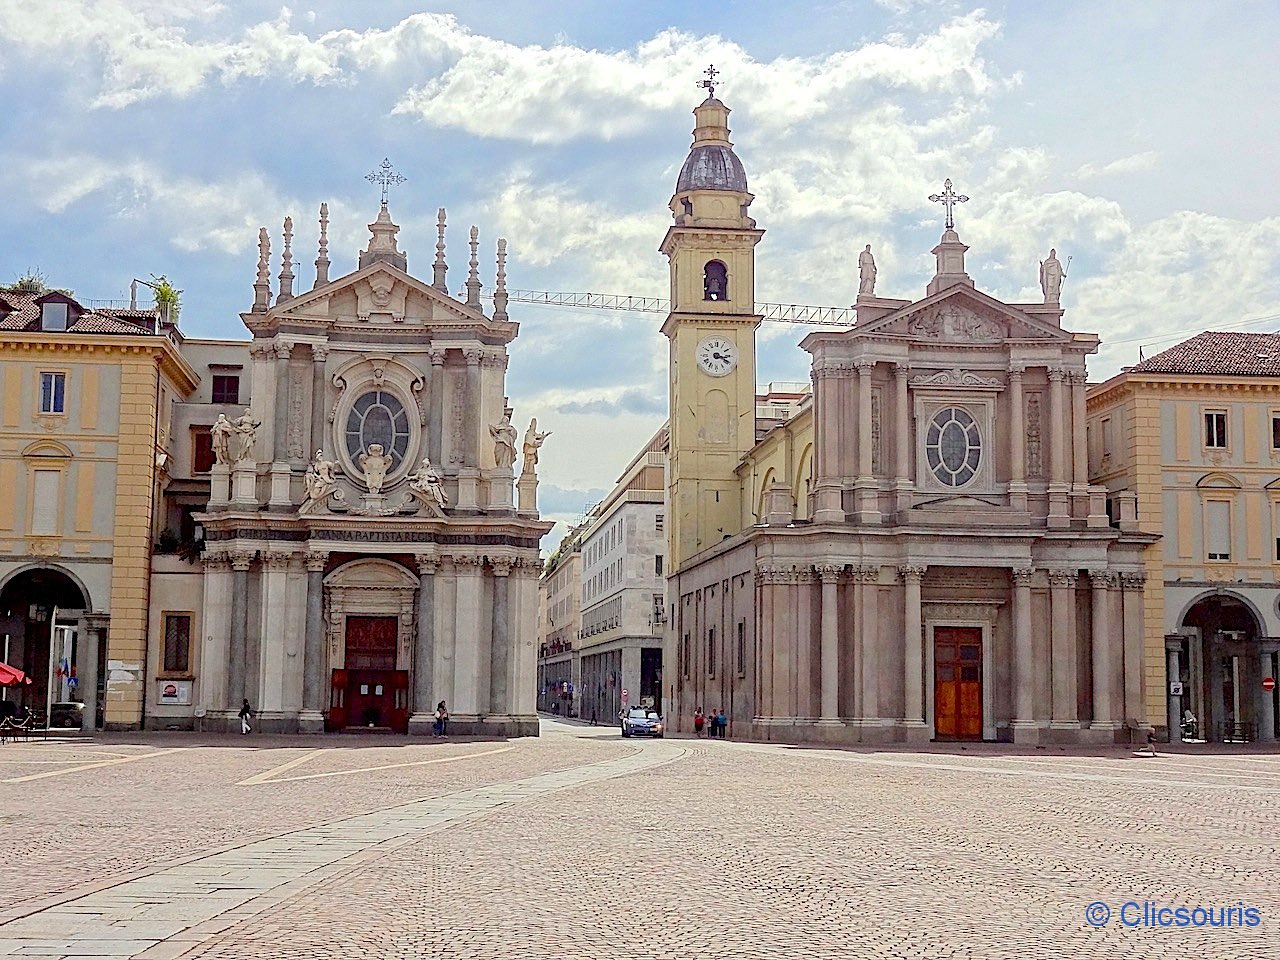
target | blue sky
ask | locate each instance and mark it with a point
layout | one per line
(142, 136)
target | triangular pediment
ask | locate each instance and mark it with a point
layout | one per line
(379, 293)
(962, 314)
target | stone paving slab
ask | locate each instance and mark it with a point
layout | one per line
(137, 917)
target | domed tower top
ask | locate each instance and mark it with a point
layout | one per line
(712, 187)
(712, 164)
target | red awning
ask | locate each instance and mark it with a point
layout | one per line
(12, 676)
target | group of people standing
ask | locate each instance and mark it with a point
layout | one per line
(714, 723)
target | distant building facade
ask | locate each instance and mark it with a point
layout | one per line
(85, 400)
(1193, 435)
(916, 554)
(323, 519)
(560, 603)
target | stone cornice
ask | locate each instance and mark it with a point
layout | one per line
(166, 353)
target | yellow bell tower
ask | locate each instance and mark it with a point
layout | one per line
(712, 366)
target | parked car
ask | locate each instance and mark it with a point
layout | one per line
(67, 714)
(641, 722)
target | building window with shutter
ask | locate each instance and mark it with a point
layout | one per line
(711, 652)
(46, 488)
(1215, 429)
(742, 648)
(658, 522)
(177, 643)
(1217, 529)
(657, 565)
(1275, 431)
(53, 392)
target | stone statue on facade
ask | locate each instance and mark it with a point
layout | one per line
(504, 442)
(428, 486)
(533, 440)
(320, 483)
(866, 273)
(1051, 274)
(220, 434)
(375, 465)
(246, 429)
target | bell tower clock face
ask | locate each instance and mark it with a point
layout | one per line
(717, 355)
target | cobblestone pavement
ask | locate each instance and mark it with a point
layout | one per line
(579, 844)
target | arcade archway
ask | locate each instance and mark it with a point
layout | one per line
(1221, 660)
(40, 615)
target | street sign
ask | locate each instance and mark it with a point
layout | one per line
(626, 695)
(1268, 684)
(1175, 688)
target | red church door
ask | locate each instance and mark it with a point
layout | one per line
(373, 685)
(957, 683)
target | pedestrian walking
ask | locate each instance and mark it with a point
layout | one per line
(441, 727)
(246, 714)
(594, 721)
(699, 721)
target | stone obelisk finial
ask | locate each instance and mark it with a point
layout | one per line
(500, 284)
(322, 261)
(440, 267)
(286, 264)
(262, 287)
(473, 274)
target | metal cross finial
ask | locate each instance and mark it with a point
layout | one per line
(385, 177)
(948, 198)
(709, 84)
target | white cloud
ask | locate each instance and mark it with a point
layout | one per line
(1136, 163)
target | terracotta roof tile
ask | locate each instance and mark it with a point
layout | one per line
(24, 315)
(1219, 354)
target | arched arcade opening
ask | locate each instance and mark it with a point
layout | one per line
(1217, 664)
(43, 634)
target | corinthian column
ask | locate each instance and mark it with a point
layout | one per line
(913, 656)
(830, 575)
(318, 355)
(500, 661)
(471, 454)
(827, 507)
(237, 659)
(311, 720)
(864, 368)
(1059, 511)
(424, 647)
(435, 419)
(1133, 585)
(1024, 665)
(1063, 644)
(1017, 442)
(281, 429)
(1079, 448)
(902, 435)
(1105, 650)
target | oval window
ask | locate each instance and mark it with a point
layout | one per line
(378, 417)
(953, 447)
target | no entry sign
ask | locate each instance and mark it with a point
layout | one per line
(1268, 684)
(626, 694)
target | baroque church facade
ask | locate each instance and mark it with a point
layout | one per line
(915, 555)
(367, 554)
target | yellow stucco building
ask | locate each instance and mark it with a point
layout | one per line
(83, 432)
(1194, 432)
